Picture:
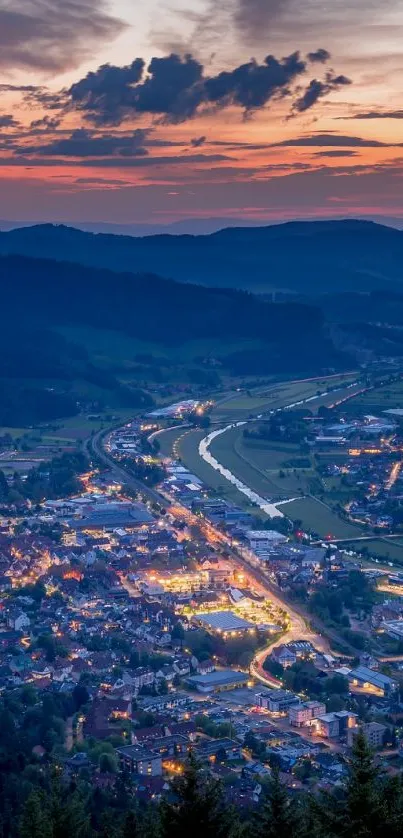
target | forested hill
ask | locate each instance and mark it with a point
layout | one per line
(146, 306)
(39, 296)
(308, 257)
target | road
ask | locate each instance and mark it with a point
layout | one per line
(298, 627)
(94, 447)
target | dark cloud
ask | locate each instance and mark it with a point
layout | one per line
(252, 85)
(52, 35)
(18, 88)
(101, 181)
(197, 142)
(174, 88)
(83, 143)
(46, 123)
(331, 140)
(41, 97)
(398, 114)
(336, 153)
(319, 56)
(7, 121)
(108, 93)
(317, 89)
(24, 160)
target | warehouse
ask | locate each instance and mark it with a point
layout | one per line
(214, 682)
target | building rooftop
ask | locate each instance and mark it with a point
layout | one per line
(136, 752)
(363, 673)
(218, 678)
(224, 621)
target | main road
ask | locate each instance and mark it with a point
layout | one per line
(298, 627)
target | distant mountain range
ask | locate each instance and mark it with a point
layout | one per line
(312, 258)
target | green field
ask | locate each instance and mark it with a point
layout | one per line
(382, 398)
(243, 405)
(258, 467)
(167, 440)
(389, 549)
(318, 517)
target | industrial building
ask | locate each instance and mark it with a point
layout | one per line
(224, 679)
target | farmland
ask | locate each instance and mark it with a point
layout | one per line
(375, 401)
(243, 405)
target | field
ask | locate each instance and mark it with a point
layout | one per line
(258, 467)
(43, 443)
(382, 398)
(388, 549)
(244, 405)
(318, 517)
(167, 440)
(131, 359)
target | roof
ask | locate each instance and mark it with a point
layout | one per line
(224, 621)
(268, 535)
(363, 673)
(114, 515)
(136, 752)
(221, 677)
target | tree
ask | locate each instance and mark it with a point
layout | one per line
(198, 803)
(80, 695)
(35, 820)
(275, 816)
(69, 818)
(107, 763)
(131, 826)
(178, 633)
(364, 809)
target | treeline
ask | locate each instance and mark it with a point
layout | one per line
(369, 805)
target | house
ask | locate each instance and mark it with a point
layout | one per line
(142, 676)
(141, 761)
(18, 620)
(182, 666)
(284, 656)
(162, 639)
(204, 667)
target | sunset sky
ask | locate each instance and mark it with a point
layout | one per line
(155, 111)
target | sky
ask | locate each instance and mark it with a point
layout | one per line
(154, 112)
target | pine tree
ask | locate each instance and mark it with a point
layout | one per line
(131, 826)
(69, 817)
(199, 805)
(275, 816)
(35, 819)
(365, 811)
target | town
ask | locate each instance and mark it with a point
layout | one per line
(155, 619)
